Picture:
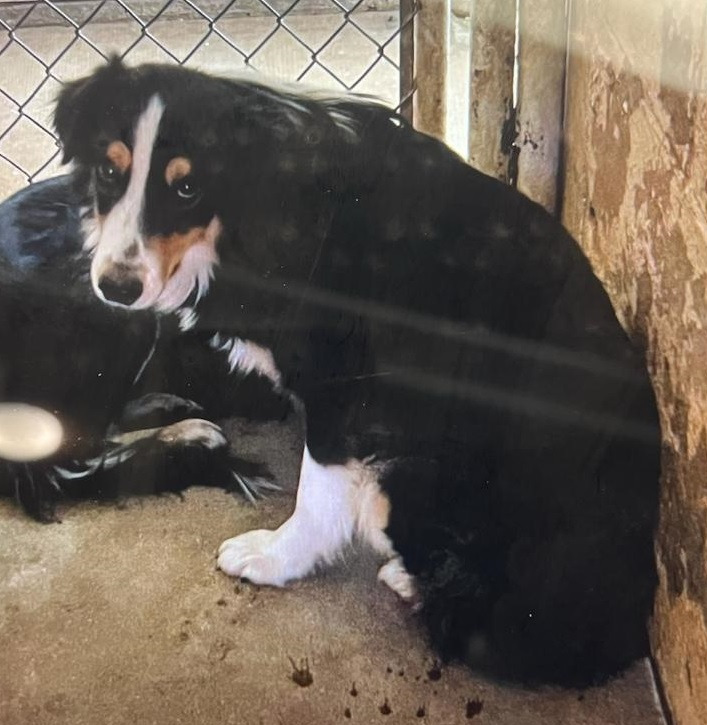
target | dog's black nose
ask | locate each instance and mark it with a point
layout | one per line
(122, 291)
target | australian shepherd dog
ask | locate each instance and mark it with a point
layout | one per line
(474, 410)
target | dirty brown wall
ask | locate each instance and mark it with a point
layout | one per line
(636, 198)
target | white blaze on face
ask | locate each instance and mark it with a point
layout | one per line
(122, 252)
(120, 233)
(28, 433)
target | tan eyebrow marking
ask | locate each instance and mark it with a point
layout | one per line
(119, 154)
(177, 169)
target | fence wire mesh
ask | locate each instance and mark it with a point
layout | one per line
(337, 44)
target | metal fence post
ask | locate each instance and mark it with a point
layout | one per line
(542, 62)
(491, 122)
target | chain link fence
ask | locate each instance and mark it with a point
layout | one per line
(359, 45)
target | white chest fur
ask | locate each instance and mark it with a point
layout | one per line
(247, 357)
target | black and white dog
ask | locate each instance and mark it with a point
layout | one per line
(475, 412)
(117, 388)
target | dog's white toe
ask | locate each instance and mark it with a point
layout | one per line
(255, 556)
(394, 575)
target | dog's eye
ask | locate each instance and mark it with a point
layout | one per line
(107, 172)
(186, 189)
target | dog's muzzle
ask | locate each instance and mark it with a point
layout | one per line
(120, 287)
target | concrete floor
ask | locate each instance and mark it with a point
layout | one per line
(117, 615)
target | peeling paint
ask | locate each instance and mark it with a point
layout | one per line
(610, 137)
(636, 198)
(678, 40)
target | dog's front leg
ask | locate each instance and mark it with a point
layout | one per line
(323, 522)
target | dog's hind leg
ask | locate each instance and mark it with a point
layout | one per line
(335, 503)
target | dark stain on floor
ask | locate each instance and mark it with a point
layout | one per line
(435, 672)
(385, 707)
(474, 708)
(301, 675)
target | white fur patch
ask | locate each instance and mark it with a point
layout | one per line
(195, 272)
(187, 318)
(247, 357)
(334, 503)
(347, 123)
(120, 230)
(394, 575)
(290, 97)
(89, 227)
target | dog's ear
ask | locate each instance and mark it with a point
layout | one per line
(77, 100)
(66, 115)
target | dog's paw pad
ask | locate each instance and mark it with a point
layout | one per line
(193, 431)
(394, 575)
(254, 556)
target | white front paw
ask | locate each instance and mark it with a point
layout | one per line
(255, 556)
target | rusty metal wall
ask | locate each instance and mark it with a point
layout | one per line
(635, 196)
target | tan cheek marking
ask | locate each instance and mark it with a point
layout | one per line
(177, 169)
(379, 513)
(372, 510)
(119, 154)
(171, 249)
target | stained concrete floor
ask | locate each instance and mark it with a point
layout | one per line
(117, 615)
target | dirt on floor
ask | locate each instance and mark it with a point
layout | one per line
(118, 615)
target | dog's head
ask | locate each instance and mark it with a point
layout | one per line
(171, 157)
(153, 230)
